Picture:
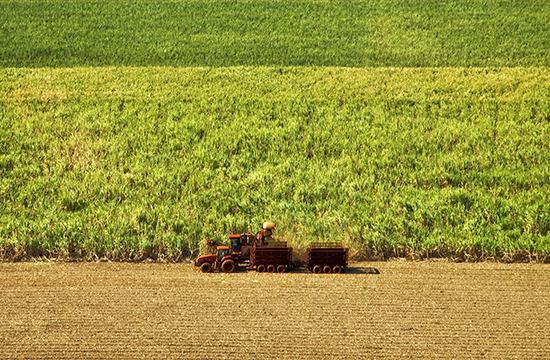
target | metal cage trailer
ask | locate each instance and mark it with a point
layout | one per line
(271, 257)
(327, 258)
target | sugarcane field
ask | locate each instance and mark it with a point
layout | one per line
(261, 179)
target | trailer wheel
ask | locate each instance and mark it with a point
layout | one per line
(206, 267)
(228, 266)
(281, 269)
(317, 269)
(260, 268)
(327, 269)
(337, 269)
(270, 268)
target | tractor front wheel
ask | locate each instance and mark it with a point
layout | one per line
(228, 266)
(206, 267)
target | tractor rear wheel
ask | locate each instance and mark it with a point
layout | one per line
(327, 269)
(270, 268)
(317, 269)
(206, 267)
(260, 268)
(228, 266)
(281, 269)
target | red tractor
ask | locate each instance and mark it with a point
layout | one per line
(228, 257)
(222, 260)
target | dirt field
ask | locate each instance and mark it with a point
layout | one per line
(410, 309)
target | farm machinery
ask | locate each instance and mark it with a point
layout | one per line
(265, 255)
(248, 250)
(327, 257)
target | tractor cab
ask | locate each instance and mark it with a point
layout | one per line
(240, 245)
(240, 242)
(236, 242)
(223, 251)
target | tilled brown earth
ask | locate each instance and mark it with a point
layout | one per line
(410, 309)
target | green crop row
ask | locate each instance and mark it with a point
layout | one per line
(151, 84)
(131, 162)
(399, 33)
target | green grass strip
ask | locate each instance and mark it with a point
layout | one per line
(277, 83)
(398, 33)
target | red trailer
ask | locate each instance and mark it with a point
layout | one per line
(327, 257)
(271, 257)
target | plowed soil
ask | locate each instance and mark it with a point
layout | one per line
(409, 309)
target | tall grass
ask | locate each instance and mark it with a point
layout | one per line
(398, 33)
(132, 162)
